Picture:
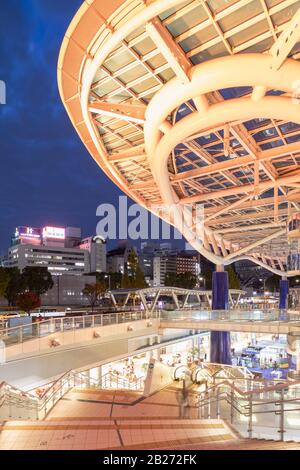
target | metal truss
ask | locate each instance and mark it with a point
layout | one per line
(194, 103)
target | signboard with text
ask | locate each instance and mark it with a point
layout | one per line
(27, 232)
(57, 233)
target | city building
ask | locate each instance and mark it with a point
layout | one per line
(58, 260)
(51, 247)
(67, 290)
(176, 262)
(96, 247)
(61, 249)
(118, 257)
(147, 256)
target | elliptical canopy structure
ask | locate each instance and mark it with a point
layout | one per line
(194, 104)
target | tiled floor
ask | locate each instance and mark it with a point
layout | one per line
(123, 420)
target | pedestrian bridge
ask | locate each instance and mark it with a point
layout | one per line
(256, 321)
(150, 296)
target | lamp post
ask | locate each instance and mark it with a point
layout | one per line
(202, 279)
(109, 280)
(264, 281)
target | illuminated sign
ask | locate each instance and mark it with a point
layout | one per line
(27, 232)
(57, 233)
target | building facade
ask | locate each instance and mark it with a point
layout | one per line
(67, 290)
(117, 258)
(176, 262)
(58, 260)
(96, 248)
(60, 249)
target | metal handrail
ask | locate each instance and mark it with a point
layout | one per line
(44, 328)
(248, 402)
(42, 405)
(262, 315)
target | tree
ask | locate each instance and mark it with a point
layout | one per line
(133, 276)
(37, 280)
(28, 301)
(185, 280)
(126, 281)
(112, 280)
(16, 285)
(272, 283)
(140, 278)
(4, 280)
(233, 279)
(94, 293)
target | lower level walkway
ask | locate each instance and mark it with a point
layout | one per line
(93, 419)
(111, 420)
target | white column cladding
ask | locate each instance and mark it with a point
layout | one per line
(156, 354)
(87, 381)
(148, 356)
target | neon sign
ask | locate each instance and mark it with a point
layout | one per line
(57, 233)
(27, 232)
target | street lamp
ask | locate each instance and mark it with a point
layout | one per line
(109, 282)
(264, 281)
(202, 279)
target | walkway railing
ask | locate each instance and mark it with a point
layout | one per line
(17, 404)
(113, 381)
(232, 315)
(256, 408)
(40, 329)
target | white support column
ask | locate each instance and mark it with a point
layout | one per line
(298, 357)
(155, 301)
(126, 300)
(157, 354)
(186, 299)
(86, 374)
(175, 298)
(209, 299)
(113, 299)
(144, 302)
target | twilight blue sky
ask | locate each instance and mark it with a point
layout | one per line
(47, 175)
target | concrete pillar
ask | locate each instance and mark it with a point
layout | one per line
(220, 340)
(284, 290)
(87, 382)
(148, 356)
(97, 373)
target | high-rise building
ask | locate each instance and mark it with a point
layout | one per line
(148, 250)
(176, 262)
(96, 247)
(118, 257)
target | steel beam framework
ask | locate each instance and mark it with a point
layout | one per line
(169, 122)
